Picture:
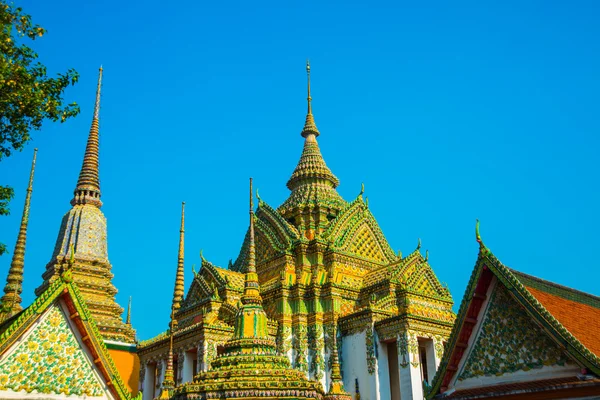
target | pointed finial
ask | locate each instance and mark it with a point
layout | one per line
(362, 189)
(309, 99)
(179, 276)
(11, 301)
(87, 190)
(202, 255)
(426, 255)
(367, 202)
(310, 128)
(419, 244)
(98, 89)
(128, 319)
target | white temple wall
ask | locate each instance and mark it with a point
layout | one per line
(354, 366)
(383, 371)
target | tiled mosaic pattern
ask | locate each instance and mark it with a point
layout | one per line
(50, 361)
(509, 341)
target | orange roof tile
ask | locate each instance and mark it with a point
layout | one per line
(582, 320)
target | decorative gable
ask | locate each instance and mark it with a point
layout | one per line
(51, 359)
(509, 341)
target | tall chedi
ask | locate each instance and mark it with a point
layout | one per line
(313, 200)
(11, 301)
(84, 228)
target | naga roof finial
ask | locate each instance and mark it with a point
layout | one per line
(477, 235)
(426, 255)
(362, 189)
(202, 256)
(194, 270)
(419, 244)
(310, 128)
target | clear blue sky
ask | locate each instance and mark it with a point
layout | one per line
(447, 112)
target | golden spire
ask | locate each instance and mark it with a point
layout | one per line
(88, 184)
(251, 288)
(179, 278)
(11, 301)
(128, 319)
(310, 128)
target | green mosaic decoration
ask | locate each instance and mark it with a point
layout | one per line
(509, 341)
(50, 361)
(370, 344)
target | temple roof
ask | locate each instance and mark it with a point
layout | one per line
(312, 182)
(13, 330)
(566, 319)
(577, 311)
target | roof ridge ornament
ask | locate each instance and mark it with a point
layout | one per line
(477, 235)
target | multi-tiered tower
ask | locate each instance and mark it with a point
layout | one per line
(83, 228)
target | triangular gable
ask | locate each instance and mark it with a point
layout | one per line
(57, 331)
(268, 243)
(462, 354)
(356, 231)
(51, 358)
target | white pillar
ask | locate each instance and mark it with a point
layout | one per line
(411, 387)
(433, 358)
(148, 383)
(187, 374)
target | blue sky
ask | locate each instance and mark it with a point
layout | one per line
(447, 111)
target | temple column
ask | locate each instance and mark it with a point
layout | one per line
(187, 362)
(434, 356)
(147, 380)
(201, 357)
(411, 387)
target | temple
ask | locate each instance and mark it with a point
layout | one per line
(316, 305)
(340, 305)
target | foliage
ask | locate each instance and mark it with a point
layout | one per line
(27, 95)
(6, 195)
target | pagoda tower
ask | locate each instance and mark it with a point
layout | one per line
(84, 228)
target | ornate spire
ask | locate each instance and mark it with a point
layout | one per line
(128, 319)
(179, 278)
(251, 288)
(88, 184)
(169, 382)
(336, 389)
(310, 128)
(11, 301)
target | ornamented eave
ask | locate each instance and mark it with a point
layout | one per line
(559, 334)
(66, 289)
